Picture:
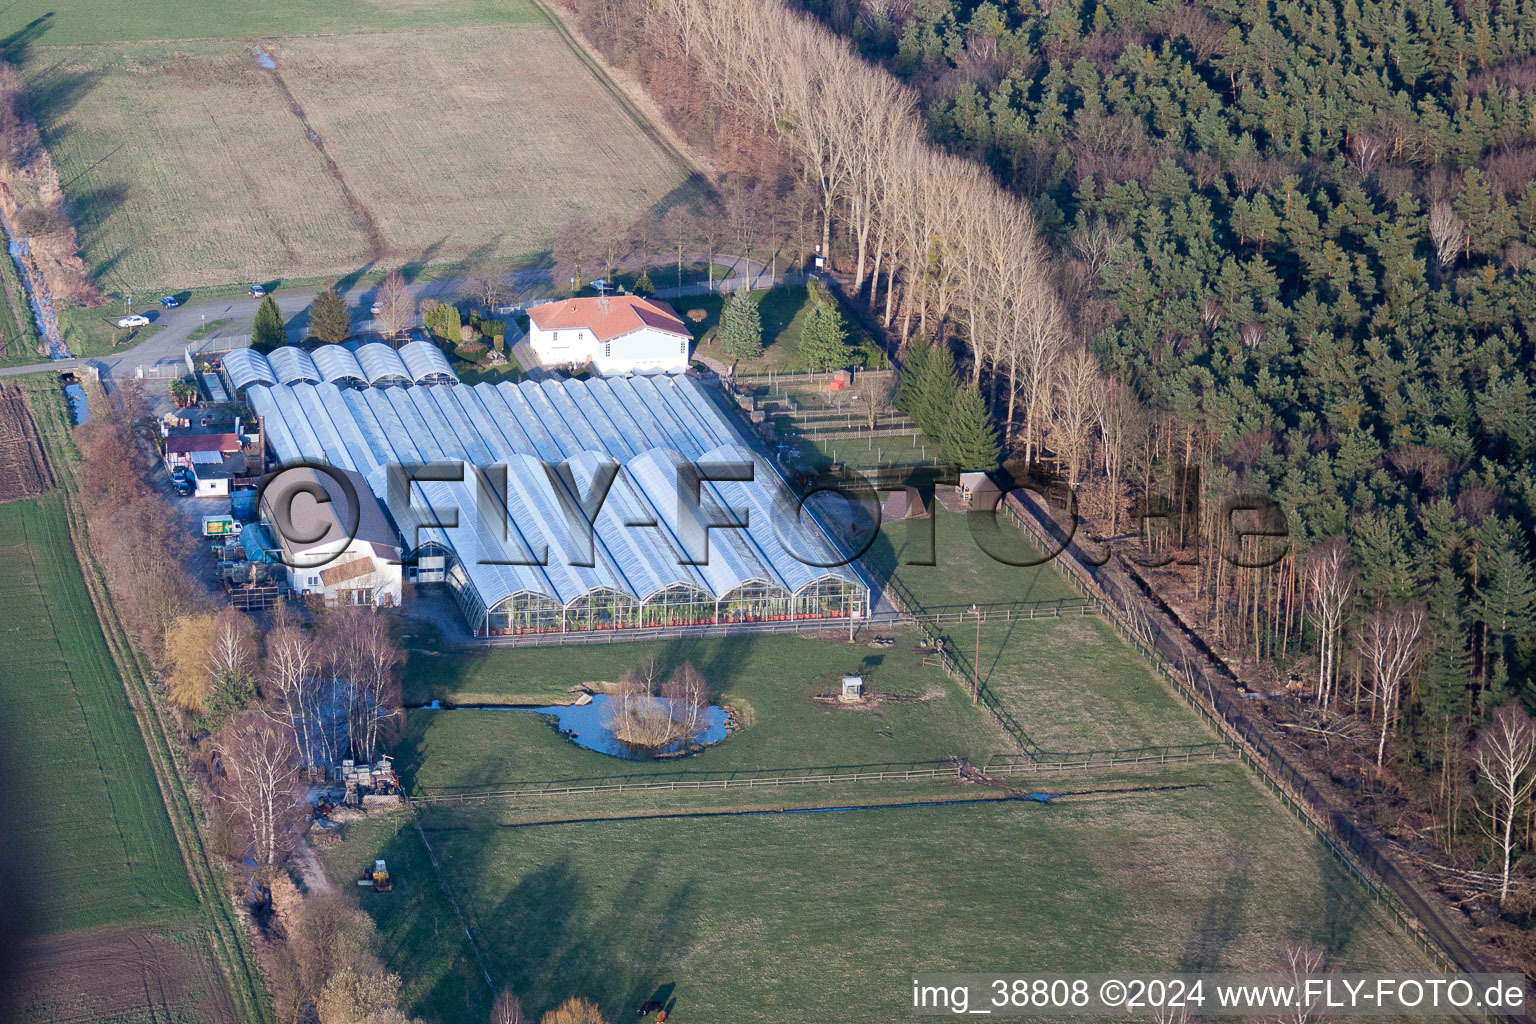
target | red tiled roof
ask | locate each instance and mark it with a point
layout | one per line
(609, 316)
(180, 444)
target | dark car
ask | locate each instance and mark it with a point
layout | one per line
(170, 302)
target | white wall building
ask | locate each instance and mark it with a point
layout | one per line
(615, 333)
(324, 557)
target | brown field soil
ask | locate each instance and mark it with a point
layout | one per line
(188, 164)
(24, 469)
(120, 974)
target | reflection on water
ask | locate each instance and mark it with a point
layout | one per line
(587, 725)
(78, 405)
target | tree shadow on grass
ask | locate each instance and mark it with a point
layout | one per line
(1224, 917)
(1344, 903)
(620, 956)
(15, 46)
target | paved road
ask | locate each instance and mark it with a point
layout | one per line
(168, 344)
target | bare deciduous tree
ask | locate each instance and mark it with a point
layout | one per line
(397, 306)
(1505, 751)
(1301, 962)
(507, 1009)
(1094, 241)
(1330, 582)
(1365, 151)
(261, 786)
(292, 667)
(1076, 385)
(1389, 642)
(1447, 231)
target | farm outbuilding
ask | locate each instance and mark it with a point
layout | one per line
(522, 557)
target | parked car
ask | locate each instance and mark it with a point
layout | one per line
(135, 320)
(184, 488)
(257, 291)
(376, 308)
(170, 302)
(601, 285)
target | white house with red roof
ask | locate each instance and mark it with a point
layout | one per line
(617, 334)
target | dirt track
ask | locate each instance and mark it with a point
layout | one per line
(24, 469)
(127, 973)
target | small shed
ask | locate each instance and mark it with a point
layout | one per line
(853, 688)
(978, 490)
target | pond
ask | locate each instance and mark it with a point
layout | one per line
(79, 407)
(587, 725)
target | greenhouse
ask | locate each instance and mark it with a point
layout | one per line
(293, 366)
(426, 363)
(383, 366)
(374, 364)
(339, 366)
(524, 551)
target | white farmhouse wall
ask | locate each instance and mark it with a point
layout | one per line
(644, 351)
(559, 348)
(386, 580)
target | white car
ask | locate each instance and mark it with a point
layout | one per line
(257, 291)
(376, 308)
(136, 320)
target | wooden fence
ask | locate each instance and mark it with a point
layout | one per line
(1085, 761)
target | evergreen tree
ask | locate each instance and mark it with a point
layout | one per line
(1507, 595)
(643, 285)
(452, 329)
(268, 332)
(741, 327)
(970, 440)
(936, 386)
(909, 389)
(233, 692)
(824, 342)
(328, 319)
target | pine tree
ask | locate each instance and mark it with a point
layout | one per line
(824, 341)
(741, 327)
(643, 285)
(1507, 595)
(909, 390)
(328, 320)
(268, 332)
(970, 440)
(935, 388)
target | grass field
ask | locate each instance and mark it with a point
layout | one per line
(473, 136)
(790, 917)
(767, 681)
(811, 917)
(87, 821)
(962, 571)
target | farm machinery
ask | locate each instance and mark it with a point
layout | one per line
(377, 876)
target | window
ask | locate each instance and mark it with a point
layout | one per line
(557, 336)
(607, 349)
(314, 581)
(682, 348)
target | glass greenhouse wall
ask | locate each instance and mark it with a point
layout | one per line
(675, 606)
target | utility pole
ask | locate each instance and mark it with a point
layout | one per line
(976, 660)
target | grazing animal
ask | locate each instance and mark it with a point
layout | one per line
(650, 1005)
